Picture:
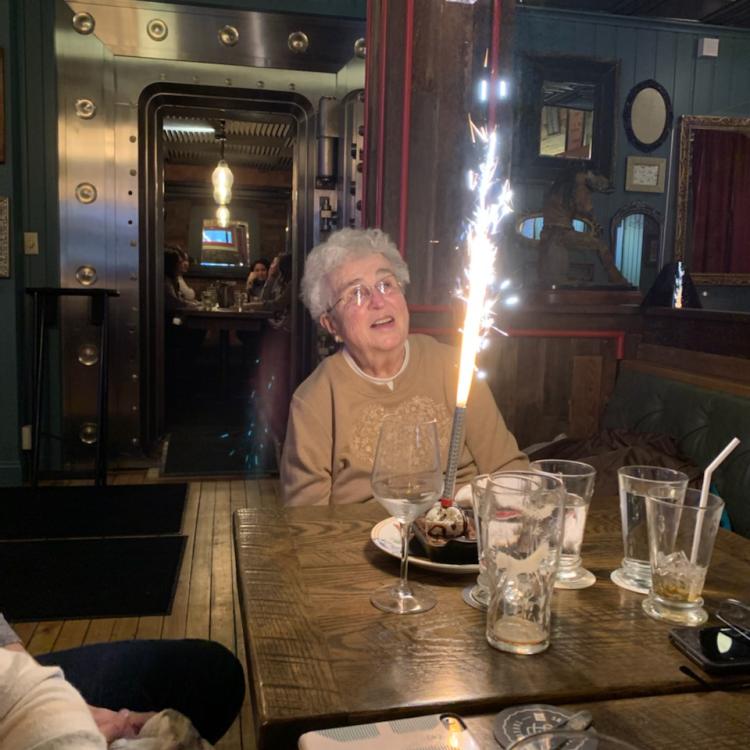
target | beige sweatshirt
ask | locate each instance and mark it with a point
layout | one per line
(335, 418)
(39, 710)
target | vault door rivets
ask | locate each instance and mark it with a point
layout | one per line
(86, 193)
(298, 41)
(229, 36)
(157, 29)
(85, 109)
(83, 23)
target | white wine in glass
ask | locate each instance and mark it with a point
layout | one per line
(406, 480)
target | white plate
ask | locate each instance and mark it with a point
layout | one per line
(387, 537)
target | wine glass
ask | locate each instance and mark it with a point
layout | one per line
(406, 481)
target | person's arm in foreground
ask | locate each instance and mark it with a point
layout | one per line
(112, 724)
(40, 709)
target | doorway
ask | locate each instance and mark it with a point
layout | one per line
(217, 379)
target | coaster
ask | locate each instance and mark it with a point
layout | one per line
(514, 723)
(466, 595)
(618, 578)
(584, 579)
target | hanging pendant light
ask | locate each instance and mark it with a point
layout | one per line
(222, 177)
(222, 216)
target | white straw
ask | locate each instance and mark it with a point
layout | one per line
(730, 446)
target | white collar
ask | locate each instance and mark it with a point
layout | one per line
(389, 382)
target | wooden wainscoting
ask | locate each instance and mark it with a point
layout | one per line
(546, 386)
(205, 603)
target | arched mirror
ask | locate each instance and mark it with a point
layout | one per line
(635, 233)
(647, 115)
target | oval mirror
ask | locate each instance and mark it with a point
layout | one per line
(647, 115)
(635, 233)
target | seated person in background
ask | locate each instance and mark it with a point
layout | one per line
(200, 679)
(256, 279)
(273, 373)
(353, 284)
(174, 299)
(187, 292)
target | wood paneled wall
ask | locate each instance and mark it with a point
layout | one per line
(423, 81)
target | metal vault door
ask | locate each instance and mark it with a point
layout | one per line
(108, 53)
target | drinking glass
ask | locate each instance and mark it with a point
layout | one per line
(239, 298)
(523, 518)
(578, 479)
(479, 593)
(568, 739)
(406, 480)
(681, 535)
(635, 482)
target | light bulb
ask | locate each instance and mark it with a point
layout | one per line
(222, 180)
(222, 216)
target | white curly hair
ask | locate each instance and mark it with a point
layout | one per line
(340, 247)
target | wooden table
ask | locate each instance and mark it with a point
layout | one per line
(319, 654)
(222, 321)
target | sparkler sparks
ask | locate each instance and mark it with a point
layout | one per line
(480, 272)
(490, 209)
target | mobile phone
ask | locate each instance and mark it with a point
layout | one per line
(716, 650)
(436, 731)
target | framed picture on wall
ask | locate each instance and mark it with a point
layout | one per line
(645, 174)
(2, 108)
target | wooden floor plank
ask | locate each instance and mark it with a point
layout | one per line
(247, 725)
(125, 628)
(222, 613)
(25, 631)
(199, 610)
(72, 634)
(44, 637)
(100, 631)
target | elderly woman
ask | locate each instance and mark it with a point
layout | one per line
(353, 284)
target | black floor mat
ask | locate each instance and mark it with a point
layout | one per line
(81, 578)
(218, 451)
(84, 511)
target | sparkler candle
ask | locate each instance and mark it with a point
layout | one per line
(479, 276)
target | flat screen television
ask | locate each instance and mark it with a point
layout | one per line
(225, 247)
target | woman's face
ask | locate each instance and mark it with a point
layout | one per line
(260, 271)
(381, 324)
(184, 263)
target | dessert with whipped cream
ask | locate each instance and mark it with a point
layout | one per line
(446, 534)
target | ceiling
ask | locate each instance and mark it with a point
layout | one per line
(719, 12)
(261, 143)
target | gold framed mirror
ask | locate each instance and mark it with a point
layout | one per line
(713, 190)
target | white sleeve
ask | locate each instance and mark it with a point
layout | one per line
(40, 710)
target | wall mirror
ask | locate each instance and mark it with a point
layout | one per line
(647, 115)
(530, 225)
(634, 235)
(566, 115)
(713, 193)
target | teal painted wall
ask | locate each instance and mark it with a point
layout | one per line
(666, 52)
(10, 466)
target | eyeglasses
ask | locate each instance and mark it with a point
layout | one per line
(361, 294)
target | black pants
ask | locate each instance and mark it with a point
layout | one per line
(200, 679)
